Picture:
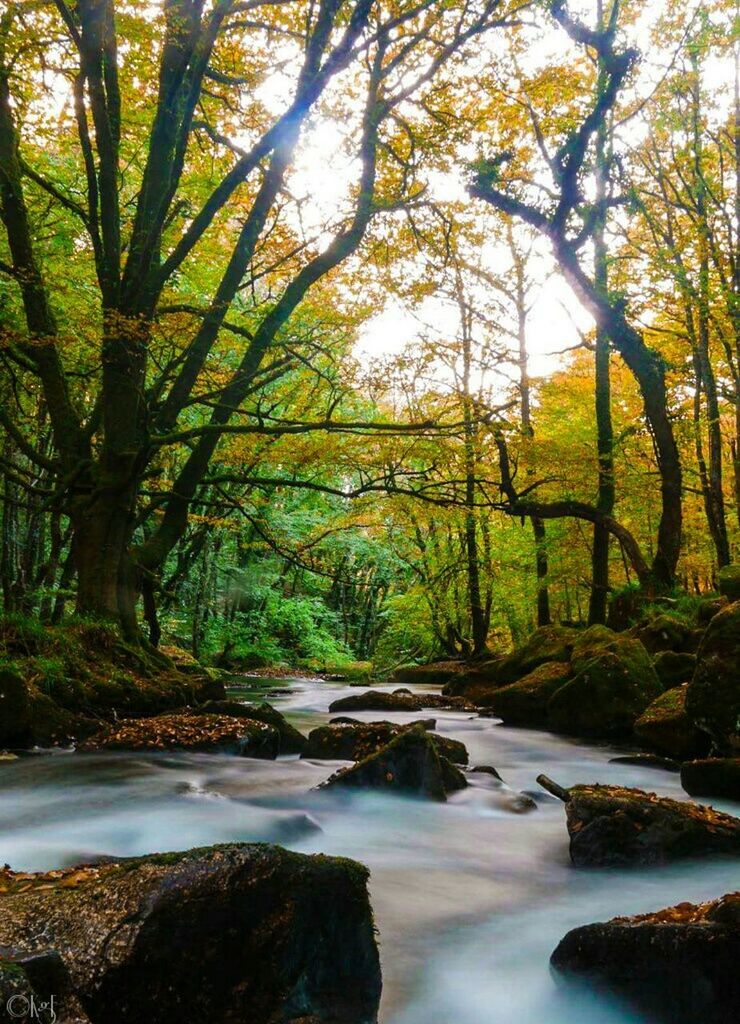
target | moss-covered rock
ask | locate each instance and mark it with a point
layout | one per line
(674, 667)
(613, 826)
(664, 633)
(241, 932)
(677, 966)
(242, 736)
(712, 777)
(607, 695)
(665, 726)
(433, 674)
(355, 741)
(291, 740)
(590, 642)
(399, 700)
(409, 764)
(713, 697)
(728, 579)
(526, 702)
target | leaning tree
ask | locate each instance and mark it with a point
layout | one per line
(160, 140)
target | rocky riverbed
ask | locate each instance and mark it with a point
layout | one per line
(470, 895)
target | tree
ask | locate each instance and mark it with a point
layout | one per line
(568, 222)
(143, 199)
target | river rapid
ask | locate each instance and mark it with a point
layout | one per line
(470, 898)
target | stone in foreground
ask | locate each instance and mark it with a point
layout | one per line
(679, 965)
(613, 826)
(714, 777)
(207, 733)
(233, 933)
(409, 764)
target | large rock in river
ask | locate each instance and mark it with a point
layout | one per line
(354, 741)
(678, 966)
(713, 777)
(526, 702)
(233, 933)
(674, 667)
(548, 643)
(245, 737)
(291, 740)
(713, 697)
(432, 674)
(409, 764)
(15, 709)
(399, 700)
(613, 825)
(608, 693)
(665, 726)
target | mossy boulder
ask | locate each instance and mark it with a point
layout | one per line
(410, 764)
(676, 966)
(664, 633)
(665, 726)
(548, 643)
(590, 642)
(479, 682)
(433, 674)
(355, 741)
(242, 736)
(239, 932)
(608, 693)
(291, 740)
(399, 700)
(526, 702)
(717, 777)
(728, 580)
(15, 709)
(674, 667)
(713, 697)
(613, 826)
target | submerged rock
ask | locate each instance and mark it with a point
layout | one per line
(526, 702)
(194, 732)
(714, 776)
(678, 965)
(291, 740)
(410, 764)
(713, 696)
(239, 932)
(609, 692)
(666, 727)
(666, 764)
(613, 826)
(355, 741)
(399, 700)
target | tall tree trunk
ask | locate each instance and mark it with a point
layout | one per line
(602, 383)
(715, 495)
(538, 525)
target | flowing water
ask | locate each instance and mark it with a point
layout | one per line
(470, 897)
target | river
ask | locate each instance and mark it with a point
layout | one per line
(470, 898)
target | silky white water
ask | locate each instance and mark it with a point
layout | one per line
(470, 898)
